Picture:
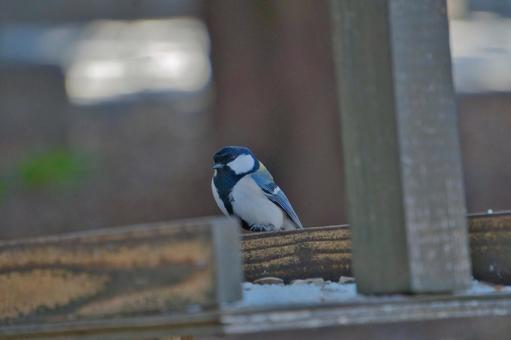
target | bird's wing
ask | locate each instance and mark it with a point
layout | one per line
(265, 181)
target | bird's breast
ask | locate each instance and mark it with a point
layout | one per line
(251, 204)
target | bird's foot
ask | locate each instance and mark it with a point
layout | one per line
(258, 227)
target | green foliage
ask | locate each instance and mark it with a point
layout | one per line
(55, 166)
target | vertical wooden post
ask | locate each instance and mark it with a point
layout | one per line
(399, 124)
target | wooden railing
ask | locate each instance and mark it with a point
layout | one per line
(326, 251)
(180, 278)
(119, 279)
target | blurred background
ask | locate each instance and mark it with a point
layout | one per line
(110, 110)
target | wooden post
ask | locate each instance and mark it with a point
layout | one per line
(399, 125)
(100, 280)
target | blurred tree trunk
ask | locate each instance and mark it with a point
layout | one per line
(275, 90)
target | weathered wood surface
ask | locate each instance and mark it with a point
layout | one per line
(150, 327)
(401, 148)
(448, 328)
(326, 251)
(487, 315)
(86, 281)
(311, 252)
(299, 254)
(490, 247)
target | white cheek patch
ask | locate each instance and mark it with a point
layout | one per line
(242, 164)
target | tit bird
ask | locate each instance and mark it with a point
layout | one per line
(243, 187)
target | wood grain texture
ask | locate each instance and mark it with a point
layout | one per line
(311, 252)
(138, 271)
(407, 310)
(490, 247)
(57, 290)
(447, 328)
(326, 251)
(401, 148)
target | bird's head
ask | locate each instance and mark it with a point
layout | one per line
(236, 159)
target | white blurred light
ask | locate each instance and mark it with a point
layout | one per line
(481, 52)
(100, 69)
(118, 58)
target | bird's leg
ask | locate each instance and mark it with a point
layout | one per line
(261, 227)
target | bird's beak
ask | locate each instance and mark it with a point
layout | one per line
(217, 166)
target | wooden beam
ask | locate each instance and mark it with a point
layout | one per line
(121, 254)
(448, 328)
(307, 253)
(490, 247)
(127, 277)
(326, 251)
(433, 312)
(401, 149)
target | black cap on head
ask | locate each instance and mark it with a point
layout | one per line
(229, 153)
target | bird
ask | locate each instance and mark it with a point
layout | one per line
(243, 187)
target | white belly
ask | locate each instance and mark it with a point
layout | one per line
(251, 205)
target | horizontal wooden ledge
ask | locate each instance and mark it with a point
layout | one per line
(236, 321)
(147, 327)
(112, 268)
(326, 251)
(376, 310)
